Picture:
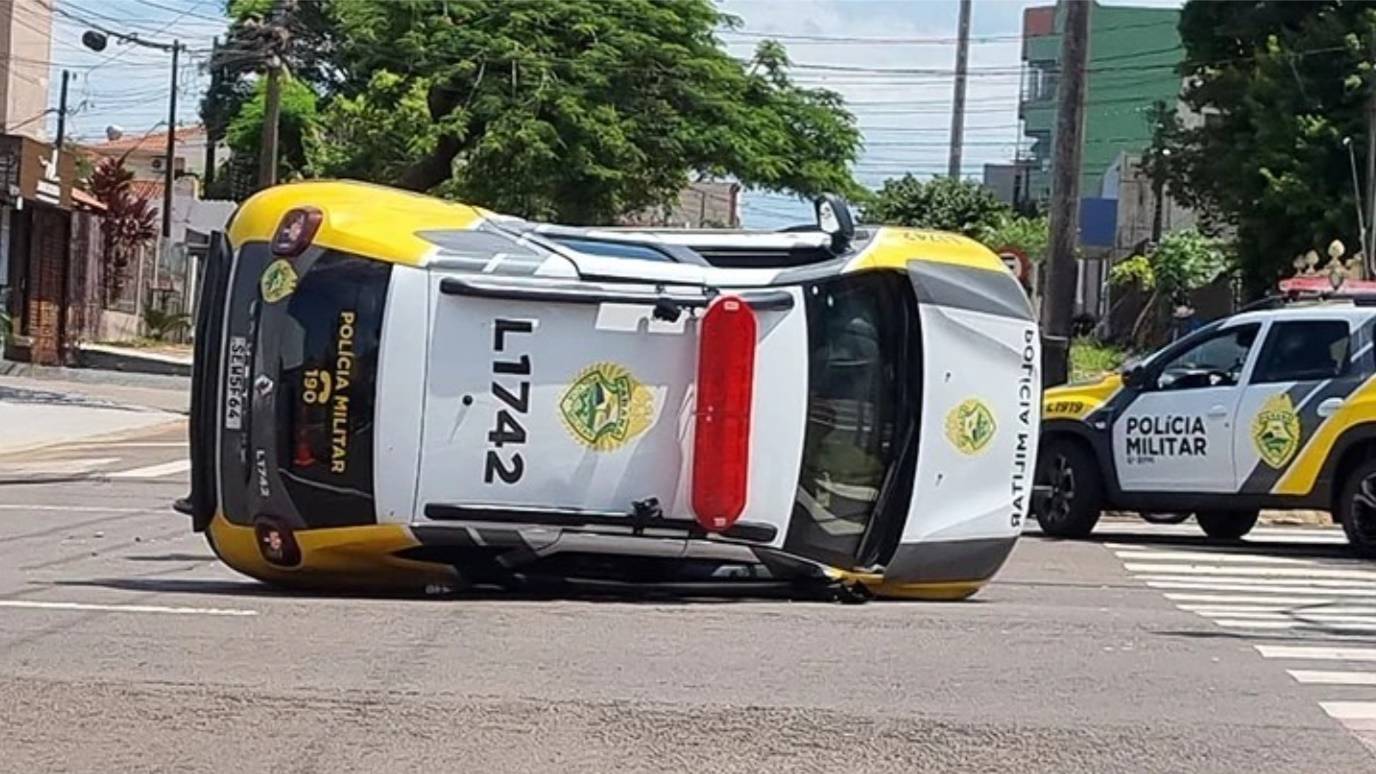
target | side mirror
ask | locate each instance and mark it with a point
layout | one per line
(834, 218)
(1134, 375)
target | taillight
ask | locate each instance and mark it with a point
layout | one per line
(721, 442)
(295, 231)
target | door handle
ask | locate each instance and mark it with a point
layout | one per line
(1217, 412)
(1328, 407)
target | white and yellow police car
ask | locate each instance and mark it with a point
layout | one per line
(393, 390)
(1269, 408)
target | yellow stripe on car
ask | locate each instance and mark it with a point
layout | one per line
(1304, 471)
(1077, 401)
(350, 557)
(381, 223)
(893, 248)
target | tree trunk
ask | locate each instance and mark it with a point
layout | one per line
(434, 168)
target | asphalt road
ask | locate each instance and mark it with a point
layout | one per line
(124, 646)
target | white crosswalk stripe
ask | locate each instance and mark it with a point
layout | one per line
(155, 471)
(1302, 597)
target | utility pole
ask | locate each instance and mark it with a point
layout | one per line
(216, 76)
(63, 306)
(1058, 305)
(272, 109)
(958, 104)
(1369, 248)
(61, 118)
(168, 161)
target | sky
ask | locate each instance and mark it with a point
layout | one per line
(905, 118)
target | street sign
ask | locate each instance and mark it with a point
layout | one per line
(1016, 262)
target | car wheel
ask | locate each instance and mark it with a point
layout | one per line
(1226, 525)
(1071, 509)
(1357, 509)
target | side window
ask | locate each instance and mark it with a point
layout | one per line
(1216, 361)
(1304, 351)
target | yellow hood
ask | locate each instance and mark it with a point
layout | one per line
(1077, 401)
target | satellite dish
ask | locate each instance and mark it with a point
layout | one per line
(113, 132)
(93, 40)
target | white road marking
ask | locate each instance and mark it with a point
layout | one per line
(155, 471)
(1263, 582)
(1250, 623)
(1350, 710)
(1248, 599)
(127, 445)
(1293, 616)
(57, 466)
(1173, 556)
(1274, 572)
(1317, 652)
(1300, 610)
(1332, 678)
(27, 604)
(1257, 588)
(75, 508)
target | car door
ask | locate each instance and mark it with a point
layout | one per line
(1303, 373)
(1177, 436)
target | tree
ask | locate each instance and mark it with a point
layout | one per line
(578, 110)
(130, 222)
(296, 123)
(1282, 84)
(941, 203)
(1184, 261)
(1028, 235)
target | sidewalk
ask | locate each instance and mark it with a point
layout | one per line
(58, 405)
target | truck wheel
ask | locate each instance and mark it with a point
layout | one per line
(1357, 509)
(1226, 525)
(1072, 508)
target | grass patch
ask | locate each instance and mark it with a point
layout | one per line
(1090, 359)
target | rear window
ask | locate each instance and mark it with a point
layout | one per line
(330, 369)
(862, 333)
(1304, 350)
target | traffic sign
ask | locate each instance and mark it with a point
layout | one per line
(1017, 262)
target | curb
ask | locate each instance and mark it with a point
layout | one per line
(131, 361)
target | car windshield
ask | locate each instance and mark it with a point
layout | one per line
(858, 415)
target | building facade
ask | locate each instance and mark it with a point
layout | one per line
(1133, 54)
(26, 50)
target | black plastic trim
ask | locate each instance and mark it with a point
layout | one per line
(554, 517)
(207, 357)
(583, 293)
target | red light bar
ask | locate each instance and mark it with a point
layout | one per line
(721, 442)
(295, 232)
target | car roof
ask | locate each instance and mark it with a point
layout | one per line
(1326, 309)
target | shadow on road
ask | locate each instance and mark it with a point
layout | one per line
(1207, 545)
(646, 596)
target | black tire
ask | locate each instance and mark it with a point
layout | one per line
(1226, 525)
(1356, 509)
(1077, 491)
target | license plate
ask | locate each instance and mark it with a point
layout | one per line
(236, 383)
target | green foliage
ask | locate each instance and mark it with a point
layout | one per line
(578, 110)
(5, 326)
(1029, 235)
(941, 203)
(1185, 260)
(162, 323)
(1090, 359)
(1285, 83)
(296, 125)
